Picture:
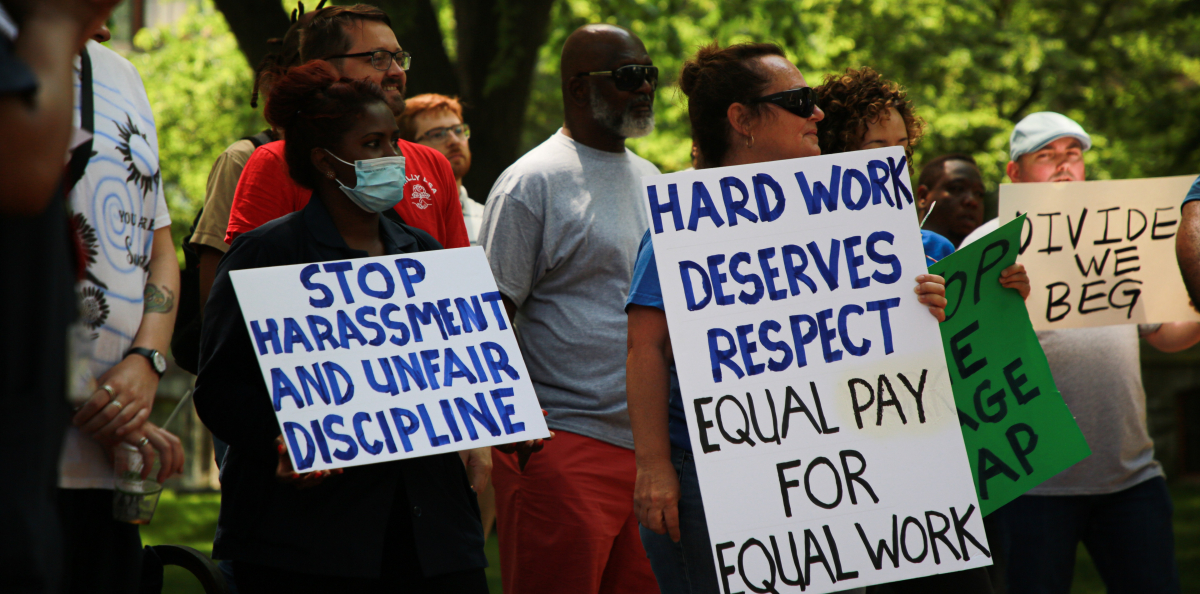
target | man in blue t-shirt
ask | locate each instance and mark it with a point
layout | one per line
(936, 246)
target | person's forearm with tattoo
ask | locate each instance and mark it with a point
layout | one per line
(133, 382)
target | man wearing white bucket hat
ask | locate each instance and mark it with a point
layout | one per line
(1115, 501)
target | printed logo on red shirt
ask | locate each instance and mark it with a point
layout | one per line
(422, 191)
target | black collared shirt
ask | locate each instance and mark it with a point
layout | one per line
(338, 527)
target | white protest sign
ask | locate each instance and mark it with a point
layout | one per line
(814, 383)
(1101, 253)
(377, 359)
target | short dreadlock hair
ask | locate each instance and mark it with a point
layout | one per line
(275, 64)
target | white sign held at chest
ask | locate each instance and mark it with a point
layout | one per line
(378, 359)
(814, 383)
(1101, 253)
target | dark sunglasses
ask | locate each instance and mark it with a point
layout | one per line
(798, 101)
(629, 78)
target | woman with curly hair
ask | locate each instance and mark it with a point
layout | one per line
(864, 111)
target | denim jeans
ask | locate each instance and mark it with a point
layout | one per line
(1128, 535)
(684, 567)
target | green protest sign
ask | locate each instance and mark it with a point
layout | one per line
(1016, 427)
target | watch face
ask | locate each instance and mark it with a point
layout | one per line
(160, 362)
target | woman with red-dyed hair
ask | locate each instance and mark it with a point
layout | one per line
(402, 526)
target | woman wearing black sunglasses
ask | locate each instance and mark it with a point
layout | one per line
(747, 104)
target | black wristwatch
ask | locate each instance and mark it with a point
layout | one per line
(157, 362)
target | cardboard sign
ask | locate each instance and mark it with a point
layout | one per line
(814, 383)
(1018, 430)
(378, 359)
(1101, 253)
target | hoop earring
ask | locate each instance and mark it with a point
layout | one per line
(750, 142)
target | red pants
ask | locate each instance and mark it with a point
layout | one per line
(566, 524)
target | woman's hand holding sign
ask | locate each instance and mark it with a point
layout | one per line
(286, 473)
(931, 290)
(1015, 278)
(525, 449)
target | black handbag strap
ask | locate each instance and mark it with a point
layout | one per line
(87, 114)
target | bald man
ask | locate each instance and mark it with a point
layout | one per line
(561, 231)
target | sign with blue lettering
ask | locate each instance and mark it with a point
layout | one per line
(814, 382)
(1101, 253)
(378, 359)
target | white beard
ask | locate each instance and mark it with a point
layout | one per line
(626, 124)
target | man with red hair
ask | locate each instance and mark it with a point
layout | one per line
(436, 121)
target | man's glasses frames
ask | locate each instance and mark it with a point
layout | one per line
(382, 59)
(441, 135)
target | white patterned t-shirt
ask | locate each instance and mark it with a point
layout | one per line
(115, 207)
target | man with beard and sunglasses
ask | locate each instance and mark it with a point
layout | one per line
(561, 229)
(359, 43)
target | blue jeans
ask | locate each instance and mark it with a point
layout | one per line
(1128, 535)
(684, 567)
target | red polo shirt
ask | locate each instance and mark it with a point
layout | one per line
(266, 192)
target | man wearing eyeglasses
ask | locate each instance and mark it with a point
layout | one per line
(436, 121)
(561, 229)
(358, 41)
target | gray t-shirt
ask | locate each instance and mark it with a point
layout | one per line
(1099, 373)
(561, 231)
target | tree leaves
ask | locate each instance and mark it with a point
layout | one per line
(198, 83)
(1127, 71)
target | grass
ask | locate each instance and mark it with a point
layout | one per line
(191, 519)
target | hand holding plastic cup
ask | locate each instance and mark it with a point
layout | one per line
(134, 498)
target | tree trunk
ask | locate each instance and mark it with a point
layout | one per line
(418, 31)
(253, 22)
(498, 43)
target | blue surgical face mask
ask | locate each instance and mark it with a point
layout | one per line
(380, 183)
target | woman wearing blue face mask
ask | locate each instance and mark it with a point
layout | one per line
(359, 530)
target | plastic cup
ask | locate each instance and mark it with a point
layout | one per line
(135, 501)
(134, 498)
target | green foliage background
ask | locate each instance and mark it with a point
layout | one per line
(199, 87)
(1127, 70)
